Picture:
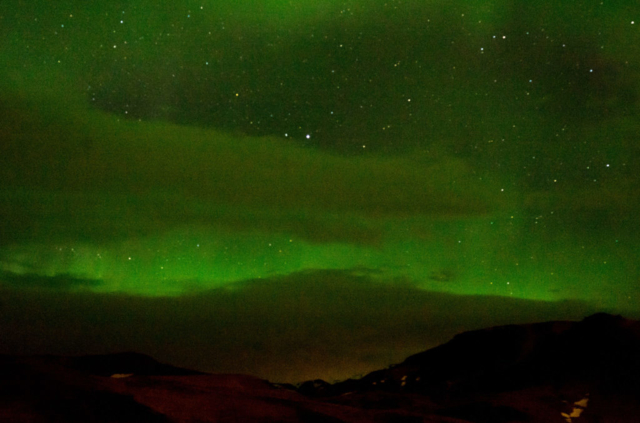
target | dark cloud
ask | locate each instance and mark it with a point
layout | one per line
(328, 324)
(85, 174)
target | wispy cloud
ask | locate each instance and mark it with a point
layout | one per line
(86, 172)
(60, 282)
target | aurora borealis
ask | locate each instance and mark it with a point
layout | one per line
(312, 189)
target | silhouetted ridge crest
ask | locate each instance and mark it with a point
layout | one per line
(124, 363)
(601, 350)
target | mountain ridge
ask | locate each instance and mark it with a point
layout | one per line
(587, 371)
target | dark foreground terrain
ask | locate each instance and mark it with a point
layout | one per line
(586, 371)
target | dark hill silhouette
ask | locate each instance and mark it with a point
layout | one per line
(586, 371)
(602, 350)
(124, 363)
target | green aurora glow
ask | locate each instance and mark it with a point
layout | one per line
(127, 216)
(171, 151)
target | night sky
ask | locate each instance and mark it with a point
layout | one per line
(298, 189)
